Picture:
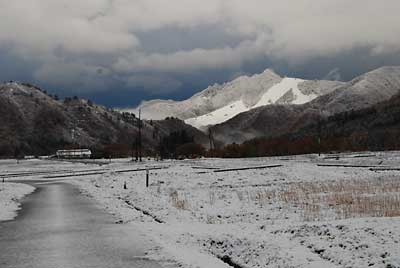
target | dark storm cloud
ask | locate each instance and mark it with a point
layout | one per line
(158, 47)
(173, 39)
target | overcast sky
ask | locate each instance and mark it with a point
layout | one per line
(118, 52)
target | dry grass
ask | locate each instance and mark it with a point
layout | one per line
(340, 199)
(177, 201)
(211, 196)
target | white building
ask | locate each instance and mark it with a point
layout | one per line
(76, 153)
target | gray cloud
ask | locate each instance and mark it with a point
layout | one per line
(153, 83)
(192, 60)
(75, 74)
(95, 43)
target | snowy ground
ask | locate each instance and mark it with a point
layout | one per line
(10, 194)
(297, 215)
(11, 170)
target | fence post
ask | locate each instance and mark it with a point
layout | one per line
(147, 178)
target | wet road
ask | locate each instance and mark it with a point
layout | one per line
(59, 227)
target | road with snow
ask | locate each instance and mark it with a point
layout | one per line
(60, 227)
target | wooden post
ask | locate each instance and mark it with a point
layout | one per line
(320, 122)
(125, 187)
(147, 178)
(319, 146)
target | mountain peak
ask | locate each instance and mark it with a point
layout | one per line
(385, 69)
(379, 75)
(18, 88)
(266, 74)
(269, 71)
(382, 71)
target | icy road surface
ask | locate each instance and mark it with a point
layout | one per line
(59, 227)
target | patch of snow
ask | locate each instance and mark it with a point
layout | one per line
(10, 193)
(218, 116)
(280, 89)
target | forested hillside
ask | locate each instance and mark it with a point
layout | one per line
(373, 128)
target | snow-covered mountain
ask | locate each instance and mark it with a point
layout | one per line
(219, 103)
(247, 89)
(273, 120)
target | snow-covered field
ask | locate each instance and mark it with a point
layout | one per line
(302, 214)
(10, 194)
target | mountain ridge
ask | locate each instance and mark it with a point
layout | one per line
(246, 92)
(361, 92)
(35, 123)
(375, 128)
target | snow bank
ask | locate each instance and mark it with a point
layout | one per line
(10, 193)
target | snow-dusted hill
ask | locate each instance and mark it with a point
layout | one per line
(35, 123)
(286, 91)
(274, 120)
(219, 103)
(248, 89)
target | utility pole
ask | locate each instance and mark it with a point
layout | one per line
(132, 149)
(73, 136)
(211, 138)
(137, 148)
(319, 133)
(140, 136)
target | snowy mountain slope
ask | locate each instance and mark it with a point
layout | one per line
(273, 120)
(248, 89)
(218, 116)
(287, 85)
(286, 92)
(219, 103)
(363, 91)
